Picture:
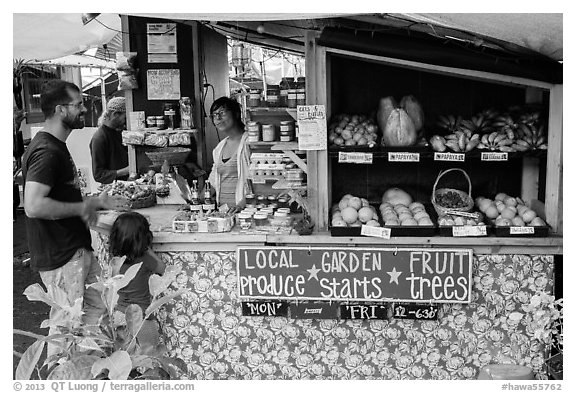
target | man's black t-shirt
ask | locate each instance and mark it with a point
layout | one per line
(53, 242)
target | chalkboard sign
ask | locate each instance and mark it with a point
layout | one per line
(363, 311)
(415, 311)
(362, 274)
(265, 309)
(314, 310)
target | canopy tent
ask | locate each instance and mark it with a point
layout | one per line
(50, 36)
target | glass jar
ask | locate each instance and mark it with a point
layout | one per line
(272, 95)
(170, 115)
(254, 98)
(282, 219)
(286, 131)
(245, 220)
(284, 87)
(260, 219)
(261, 200)
(250, 199)
(254, 131)
(301, 91)
(268, 132)
(282, 203)
(186, 122)
(151, 121)
(160, 122)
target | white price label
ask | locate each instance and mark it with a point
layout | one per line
(492, 156)
(463, 214)
(468, 230)
(355, 158)
(459, 157)
(521, 230)
(403, 157)
(383, 233)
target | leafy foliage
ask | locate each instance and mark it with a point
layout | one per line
(111, 351)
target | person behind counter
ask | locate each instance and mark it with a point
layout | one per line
(109, 155)
(229, 175)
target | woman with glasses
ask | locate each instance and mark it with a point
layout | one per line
(229, 175)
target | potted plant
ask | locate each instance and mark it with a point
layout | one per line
(110, 352)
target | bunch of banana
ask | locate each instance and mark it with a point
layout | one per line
(505, 123)
(531, 118)
(497, 140)
(478, 124)
(530, 137)
(449, 122)
(461, 141)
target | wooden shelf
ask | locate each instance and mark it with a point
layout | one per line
(276, 145)
(273, 111)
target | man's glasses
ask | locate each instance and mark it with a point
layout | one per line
(76, 105)
(219, 115)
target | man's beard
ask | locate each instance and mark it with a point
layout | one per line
(74, 123)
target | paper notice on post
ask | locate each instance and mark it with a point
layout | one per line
(312, 127)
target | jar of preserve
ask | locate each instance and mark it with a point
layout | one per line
(254, 131)
(160, 122)
(250, 199)
(286, 131)
(284, 87)
(245, 220)
(262, 200)
(268, 133)
(151, 121)
(272, 95)
(254, 98)
(301, 91)
(284, 209)
(282, 219)
(272, 199)
(260, 219)
(282, 203)
(292, 94)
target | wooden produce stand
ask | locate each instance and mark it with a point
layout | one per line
(272, 306)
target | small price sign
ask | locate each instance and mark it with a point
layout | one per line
(458, 157)
(415, 311)
(383, 233)
(403, 157)
(355, 158)
(468, 230)
(521, 230)
(493, 156)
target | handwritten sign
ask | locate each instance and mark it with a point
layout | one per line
(469, 230)
(403, 157)
(163, 84)
(415, 311)
(266, 309)
(354, 158)
(458, 157)
(363, 311)
(314, 310)
(361, 274)
(492, 156)
(312, 134)
(521, 230)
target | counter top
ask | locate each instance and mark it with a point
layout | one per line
(161, 217)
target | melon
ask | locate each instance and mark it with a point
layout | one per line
(399, 129)
(396, 196)
(349, 214)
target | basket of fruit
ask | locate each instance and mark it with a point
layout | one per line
(139, 196)
(446, 200)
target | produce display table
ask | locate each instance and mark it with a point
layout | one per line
(206, 328)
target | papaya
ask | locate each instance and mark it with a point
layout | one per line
(399, 129)
(385, 107)
(414, 110)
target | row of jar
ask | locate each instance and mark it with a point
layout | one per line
(289, 93)
(286, 132)
(250, 217)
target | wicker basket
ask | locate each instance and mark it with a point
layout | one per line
(174, 155)
(148, 201)
(466, 197)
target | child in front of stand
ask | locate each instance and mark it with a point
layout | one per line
(130, 236)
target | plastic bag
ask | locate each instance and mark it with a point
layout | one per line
(126, 61)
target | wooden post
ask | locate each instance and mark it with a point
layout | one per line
(531, 165)
(132, 164)
(198, 102)
(317, 160)
(554, 184)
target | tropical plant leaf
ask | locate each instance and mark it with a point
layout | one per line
(118, 365)
(29, 360)
(163, 300)
(77, 368)
(134, 319)
(159, 284)
(88, 343)
(35, 292)
(120, 281)
(144, 361)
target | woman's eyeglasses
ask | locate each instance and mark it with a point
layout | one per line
(219, 115)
